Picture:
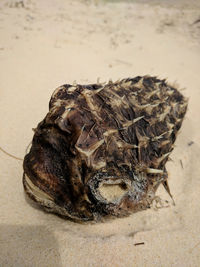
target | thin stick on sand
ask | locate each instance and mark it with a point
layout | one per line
(10, 155)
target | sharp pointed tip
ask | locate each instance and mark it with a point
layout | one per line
(166, 186)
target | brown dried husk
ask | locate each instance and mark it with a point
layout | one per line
(102, 148)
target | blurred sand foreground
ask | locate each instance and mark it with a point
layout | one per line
(46, 43)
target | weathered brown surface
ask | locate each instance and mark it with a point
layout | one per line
(102, 148)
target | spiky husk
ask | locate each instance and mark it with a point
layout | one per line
(102, 148)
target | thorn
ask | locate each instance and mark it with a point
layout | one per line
(137, 119)
(127, 124)
(154, 171)
(166, 186)
(159, 160)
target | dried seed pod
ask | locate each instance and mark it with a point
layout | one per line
(102, 148)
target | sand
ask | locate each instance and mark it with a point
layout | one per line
(44, 44)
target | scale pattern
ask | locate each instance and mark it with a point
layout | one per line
(104, 136)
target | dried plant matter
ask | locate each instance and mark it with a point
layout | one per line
(102, 148)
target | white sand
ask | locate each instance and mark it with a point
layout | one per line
(48, 43)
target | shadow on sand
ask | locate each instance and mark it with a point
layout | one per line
(27, 246)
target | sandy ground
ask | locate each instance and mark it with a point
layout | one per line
(46, 43)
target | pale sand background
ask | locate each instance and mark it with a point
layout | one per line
(47, 43)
